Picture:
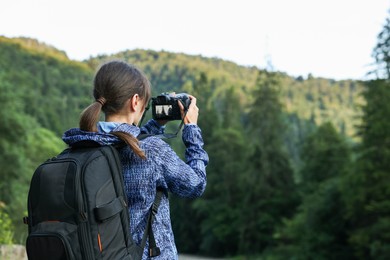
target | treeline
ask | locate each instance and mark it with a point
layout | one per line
(336, 207)
(290, 174)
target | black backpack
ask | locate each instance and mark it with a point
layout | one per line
(77, 208)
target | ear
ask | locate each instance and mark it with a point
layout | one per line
(134, 101)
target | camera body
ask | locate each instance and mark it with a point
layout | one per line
(166, 107)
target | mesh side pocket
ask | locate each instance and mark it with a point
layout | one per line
(47, 246)
(53, 241)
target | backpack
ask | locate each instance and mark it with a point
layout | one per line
(77, 208)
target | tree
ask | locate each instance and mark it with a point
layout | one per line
(269, 191)
(319, 229)
(221, 204)
(324, 155)
(381, 52)
(231, 110)
(367, 190)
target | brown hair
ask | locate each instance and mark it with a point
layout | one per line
(115, 83)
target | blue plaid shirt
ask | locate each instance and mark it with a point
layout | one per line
(162, 169)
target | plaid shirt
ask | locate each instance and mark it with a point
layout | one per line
(162, 169)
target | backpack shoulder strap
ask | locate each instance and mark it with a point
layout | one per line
(153, 249)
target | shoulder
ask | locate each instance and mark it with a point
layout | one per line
(153, 144)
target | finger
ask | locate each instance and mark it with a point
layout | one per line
(180, 105)
(181, 109)
(193, 100)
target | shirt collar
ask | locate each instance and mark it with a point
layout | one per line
(107, 127)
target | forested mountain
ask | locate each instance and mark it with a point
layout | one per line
(259, 126)
(50, 87)
(42, 72)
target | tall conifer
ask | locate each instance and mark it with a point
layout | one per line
(319, 229)
(367, 190)
(269, 191)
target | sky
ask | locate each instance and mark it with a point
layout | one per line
(327, 38)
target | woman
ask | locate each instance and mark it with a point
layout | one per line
(122, 92)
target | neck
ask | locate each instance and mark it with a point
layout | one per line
(129, 119)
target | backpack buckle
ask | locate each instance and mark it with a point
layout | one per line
(26, 220)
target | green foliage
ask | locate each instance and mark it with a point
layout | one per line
(35, 47)
(319, 230)
(222, 202)
(367, 189)
(12, 138)
(45, 81)
(325, 155)
(381, 52)
(6, 229)
(272, 195)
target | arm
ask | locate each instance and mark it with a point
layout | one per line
(186, 179)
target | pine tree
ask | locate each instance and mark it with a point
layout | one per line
(319, 229)
(381, 52)
(325, 155)
(270, 192)
(367, 189)
(221, 204)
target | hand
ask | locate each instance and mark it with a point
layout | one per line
(193, 111)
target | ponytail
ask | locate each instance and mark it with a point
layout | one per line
(90, 116)
(131, 141)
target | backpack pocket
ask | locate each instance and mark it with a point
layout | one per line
(110, 220)
(54, 241)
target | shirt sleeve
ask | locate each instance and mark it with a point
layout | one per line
(186, 179)
(152, 127)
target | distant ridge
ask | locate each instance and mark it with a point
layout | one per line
(317, 100)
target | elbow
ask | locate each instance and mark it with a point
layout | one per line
(198, 190)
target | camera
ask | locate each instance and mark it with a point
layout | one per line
(165, 106)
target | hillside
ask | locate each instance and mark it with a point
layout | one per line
(52, 88)
(44, 71)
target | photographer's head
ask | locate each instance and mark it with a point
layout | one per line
(121, 91)
(118, 88)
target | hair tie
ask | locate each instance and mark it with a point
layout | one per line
(101, 100)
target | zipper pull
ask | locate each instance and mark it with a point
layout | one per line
(100, 243)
